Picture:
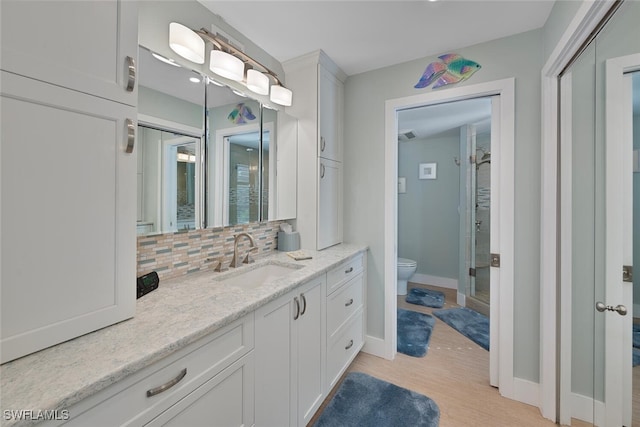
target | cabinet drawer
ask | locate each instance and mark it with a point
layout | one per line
(343, 303)
(344, 272)
(342, 348)
(129, 404)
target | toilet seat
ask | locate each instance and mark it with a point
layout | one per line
(404, 262)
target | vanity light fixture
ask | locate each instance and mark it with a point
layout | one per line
(226, 65)
(186, 43)
(194, 80)
(228, 61)
(257, 82)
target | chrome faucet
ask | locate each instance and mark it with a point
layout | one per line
(247, 260)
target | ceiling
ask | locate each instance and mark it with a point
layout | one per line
(362, 35)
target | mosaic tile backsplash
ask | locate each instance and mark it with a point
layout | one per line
(177, 254)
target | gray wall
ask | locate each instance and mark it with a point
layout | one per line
(519, 56)
(428, 226)
(636, 210)
(163, 106)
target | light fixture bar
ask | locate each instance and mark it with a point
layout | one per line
(224, 45)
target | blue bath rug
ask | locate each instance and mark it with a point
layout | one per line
(414, 332)
(363, 401)
(636, 335)
(469, 323)
(636, 357)
(425, 297)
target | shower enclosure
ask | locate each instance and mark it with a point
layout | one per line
(479, 198)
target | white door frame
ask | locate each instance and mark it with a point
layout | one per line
(503, 161)
(584, 22)
(619, 241)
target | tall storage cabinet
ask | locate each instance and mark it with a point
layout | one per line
(318, 85)
(68, 171)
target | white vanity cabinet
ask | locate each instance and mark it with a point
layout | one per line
(68, 180)
(290, 354)
(318, 85)
(209, 382)
(345, 317)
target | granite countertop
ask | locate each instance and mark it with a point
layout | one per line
(178, 313)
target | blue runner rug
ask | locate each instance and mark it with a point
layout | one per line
(363, 401)
(425, 297)
(414, 332)
(469, 323)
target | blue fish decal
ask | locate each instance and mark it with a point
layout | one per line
(241, 114)
(452, 68)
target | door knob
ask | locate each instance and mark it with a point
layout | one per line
(620, 309)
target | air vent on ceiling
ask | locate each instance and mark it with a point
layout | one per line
(406, 135)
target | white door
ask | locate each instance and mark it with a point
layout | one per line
(617, 306)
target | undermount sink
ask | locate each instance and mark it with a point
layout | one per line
(258, 276)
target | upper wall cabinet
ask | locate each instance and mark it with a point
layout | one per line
(87, 46)
(319, 87)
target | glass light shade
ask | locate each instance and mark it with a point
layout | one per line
(186, 43)
(226, 65)
(257, 82)
(281, 95)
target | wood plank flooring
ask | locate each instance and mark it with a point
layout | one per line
(454, 373)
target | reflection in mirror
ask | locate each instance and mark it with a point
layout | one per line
(171, 125)
(233, 157)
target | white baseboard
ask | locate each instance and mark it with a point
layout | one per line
(375, 346)
(582, 408)
(427, 279)
(461, 300)
(526, 391)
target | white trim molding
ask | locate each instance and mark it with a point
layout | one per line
(502, 348)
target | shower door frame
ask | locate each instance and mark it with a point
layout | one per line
(502, 228)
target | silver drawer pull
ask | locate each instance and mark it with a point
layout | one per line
(131, 68)
(304, 304)
(348, 303)
(349, 345)
(297, 302)
(131, 136)
(322, 170)
(349, 270)
(167, 385)
(323, 143)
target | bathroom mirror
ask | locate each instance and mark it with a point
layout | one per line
(170, 136)
(208, 155)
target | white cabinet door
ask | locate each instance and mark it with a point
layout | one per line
(68, 215)
(274, 355)
(330, 115)
(329, 203)
(290, 352)
(310, 349)
(81, 45)
(225, 400)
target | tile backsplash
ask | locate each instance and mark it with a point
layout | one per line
(176, 254)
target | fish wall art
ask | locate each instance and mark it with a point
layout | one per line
(240, 114)
(452, 68)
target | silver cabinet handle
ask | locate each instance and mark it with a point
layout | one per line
(297, 314)
(349, 345)
(131, 136)
(322, 170)
(166, 386)
(304, 304)
(349, 270)
(620, 309)
(131, 68)
(348, 303)
(323, 143)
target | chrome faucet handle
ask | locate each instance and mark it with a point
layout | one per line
(248, 259)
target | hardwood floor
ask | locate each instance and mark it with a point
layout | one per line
(454, 373)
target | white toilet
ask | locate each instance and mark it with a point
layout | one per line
(406, 268)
